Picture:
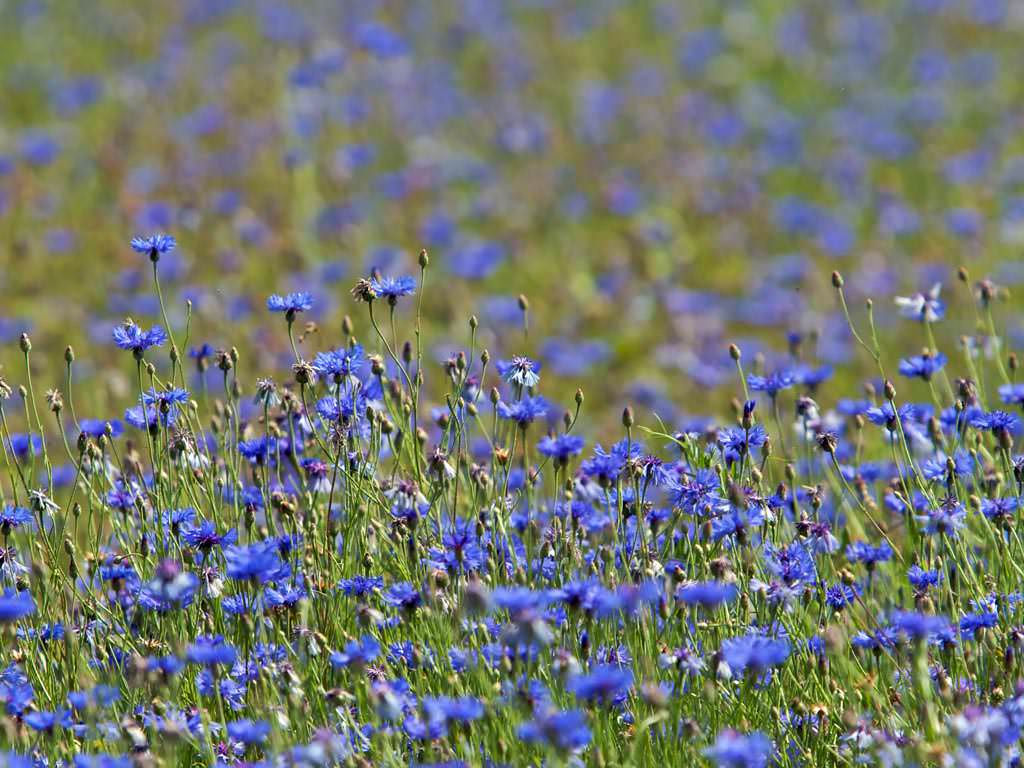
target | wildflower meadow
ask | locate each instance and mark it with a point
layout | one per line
(511, 383)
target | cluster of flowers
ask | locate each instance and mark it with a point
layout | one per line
(329, 571)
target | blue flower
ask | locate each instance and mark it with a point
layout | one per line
(356, 653)
(15, 605)
(520, 371)
(257, 562)
(838, 596)
(924, 307)
(154, 246)
(403, 595)
(564, 731)
(754, 653)
(733, 749)
(360, 586)
(707, 594)
(736, 523)
(997, 421)
(1012, 394)
(211, 651)
(98, 427)
(445, 709)
(862, 552)
(13, 517)
(291, 304)
(561, 447)
(129, 336)
(922, 366)
(921, 579)
(918, 626)
(736, 442)
(946, 520)
(972, 622)
(249, 731)
(885, 416)
(204, 536)
(606, 684)
(771, 384)
(48, 722)
(792, 564)
(393, 288)
(340, 363)
(523, 411)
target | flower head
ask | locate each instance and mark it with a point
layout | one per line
(131, 337)
(154, 246)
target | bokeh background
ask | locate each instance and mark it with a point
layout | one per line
(659, 179)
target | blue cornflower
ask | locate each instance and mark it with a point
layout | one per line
(340, 363)
(862, 552)
(754, 653)
(291, 304)
(606, 465)
(921, 580)
(47, 722)
(356, 653)
(924, 307)
(257, 562)
(154, 246)
(23, 444)
(445, 709)
(838, 596)
(202, 353)
(918, 626)
(707, 594)
(123, 495)
(249, 732)
(403, 595)
(564, 731)
(520, 371)
(255, 451)
(772, 384)
(736, 523)
(733, 749)
(972, 622)
(393, 288)
(211, 651)
(15, 605)
(523, 411)
(359, 586)
(997, 421)
(1012, 394)
(736, 442)
(922, 366)
(204, 537)
(935, 467)
(13, 517)
(885, 416)
(175, 519)
(98, 427)
(129, 336)
(945, 520)
(792, 564)
(560, 448)
(605, 684)
(999, 509)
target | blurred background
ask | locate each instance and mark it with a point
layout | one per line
(657, 178)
